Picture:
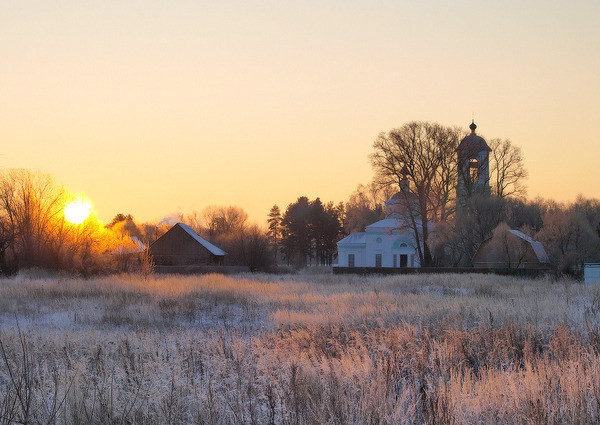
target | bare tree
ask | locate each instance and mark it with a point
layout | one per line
(421, 152)
(510, 249)
(31, 206)
(457, 240)
(507, 169)
(365, 206)
(219, 221)
(569, 238)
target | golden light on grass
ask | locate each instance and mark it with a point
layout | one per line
(76, 212)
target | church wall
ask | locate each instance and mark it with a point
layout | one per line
(356, 249)
(383, 242)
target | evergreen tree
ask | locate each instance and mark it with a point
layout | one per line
(274, 225)
(311, 230)
(296, 235)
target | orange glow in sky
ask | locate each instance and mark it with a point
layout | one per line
(155, 107)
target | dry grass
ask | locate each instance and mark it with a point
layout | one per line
(299, 349)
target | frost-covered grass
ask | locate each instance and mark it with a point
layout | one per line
(299, 349)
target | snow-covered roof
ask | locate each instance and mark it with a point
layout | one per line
(389, 223)
(206, 244)
(130, 245)
(537, 246)
(354, 238)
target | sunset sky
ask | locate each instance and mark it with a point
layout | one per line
(155, 107)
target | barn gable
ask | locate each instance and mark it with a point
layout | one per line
(182, 246)
(512, 249)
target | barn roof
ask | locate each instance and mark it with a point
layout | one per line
(206, 244)
(537, 246)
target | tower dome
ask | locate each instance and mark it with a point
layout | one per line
(472, 144)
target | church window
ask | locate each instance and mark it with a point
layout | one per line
(377, 260)
(378, 240)
(350, 260)
(403, 245)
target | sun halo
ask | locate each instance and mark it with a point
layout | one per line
(76, 212)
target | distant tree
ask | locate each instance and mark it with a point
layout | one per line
(364, 207)
(274, 225)
(455, 241)
(522, 215)
(152, 231)
(6, 240)
(590, 208)
(512, 252)
(252, 248)
(569, 238)
(296, 233)
(223, 221)
(195, 220)
(311, 229)
(125, 225)
(421, 152)
(31, 209)
(325, 226)
(507, 170)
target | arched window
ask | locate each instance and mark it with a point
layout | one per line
(473, 169)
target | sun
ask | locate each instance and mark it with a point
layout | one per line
(78, 211)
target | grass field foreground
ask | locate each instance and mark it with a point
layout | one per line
(299, 349)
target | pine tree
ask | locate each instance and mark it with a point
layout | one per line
(274, 224)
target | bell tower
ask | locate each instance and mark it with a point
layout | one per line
(473, 161)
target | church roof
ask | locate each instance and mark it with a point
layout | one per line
(354, 238)
(389, 223)
(473, 143)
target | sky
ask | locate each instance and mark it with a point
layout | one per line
(153, 107)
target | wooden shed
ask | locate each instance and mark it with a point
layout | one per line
(511, 249)
(181, 246)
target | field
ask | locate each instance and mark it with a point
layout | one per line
(299, 349)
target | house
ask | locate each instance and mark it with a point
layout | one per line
(509, 248)
(388, 243)
(181, 246)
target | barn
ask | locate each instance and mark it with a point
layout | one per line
(181, 246)
(511, 249)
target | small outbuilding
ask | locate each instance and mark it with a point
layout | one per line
(591, 273)
(181, 246)
(509, 248)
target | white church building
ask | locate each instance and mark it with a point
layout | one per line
(387, 243)
(390, 243)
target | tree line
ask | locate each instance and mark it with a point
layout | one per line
(419, 155)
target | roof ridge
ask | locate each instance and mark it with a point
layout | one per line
(206, 244)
